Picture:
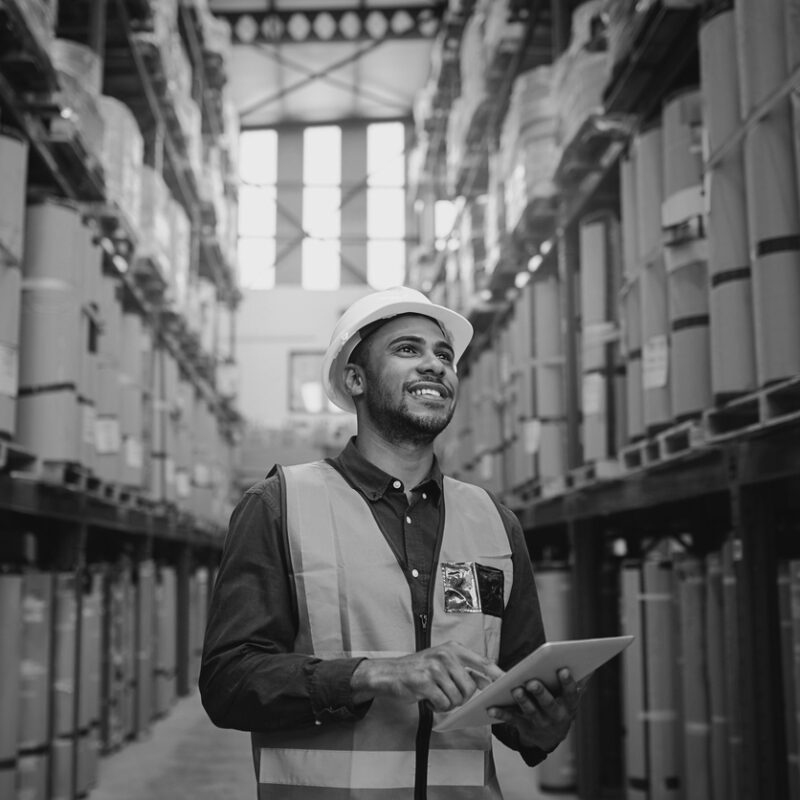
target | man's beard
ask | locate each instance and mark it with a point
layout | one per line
(398, 424)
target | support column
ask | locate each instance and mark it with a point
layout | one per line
(354, 204)
(288, 228)
(184, 633)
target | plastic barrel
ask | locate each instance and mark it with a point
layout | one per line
(733, 360)
(772, 192)
(556, 773)
(10, 658)
(47, 411)
(549, 377)
(633, 684)
(717, 679)
(662, 691)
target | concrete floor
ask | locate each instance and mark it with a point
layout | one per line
(184, 757)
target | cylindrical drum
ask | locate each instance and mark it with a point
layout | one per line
(633, 683)
(648, 148)
(631, 313)
(10, 659)
(661, 654)
(733, 360)
(772, 192)
(549, 377)
(10, 302)
(554, 582)
(691, 582)
(50, 341)
(655, 344)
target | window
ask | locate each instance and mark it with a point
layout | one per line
(322, 215)
(386, 205)
(306, 394)
(258, 165)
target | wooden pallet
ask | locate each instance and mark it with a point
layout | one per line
(672, 442)
(15, 458)
(594, 471)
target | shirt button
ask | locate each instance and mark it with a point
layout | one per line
(408, 520)
(397, 485)
(415, 573)
(317, 722)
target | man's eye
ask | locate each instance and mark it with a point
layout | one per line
(448, 357)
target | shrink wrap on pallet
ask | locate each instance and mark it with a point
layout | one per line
(122, 158)
(13, 177)
(155, 241)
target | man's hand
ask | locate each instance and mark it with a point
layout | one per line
(542, 719)
(445, 676)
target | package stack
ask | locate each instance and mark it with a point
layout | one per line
(495, 216)
(80, 77)
(487, 422)
(122, 157)
(528, 144)
(521, 334)
(155, 240)
(471, 257)
(136, 342)
(183, 425)
(162, 431)
(13, 176)
(581, 72)
(166, 640)
(180, 256)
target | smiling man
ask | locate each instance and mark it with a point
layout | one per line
(360, 595)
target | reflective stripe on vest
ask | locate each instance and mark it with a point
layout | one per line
(353, 599)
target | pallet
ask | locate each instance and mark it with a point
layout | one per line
(672, 442)
(14, 458)
(594, 471)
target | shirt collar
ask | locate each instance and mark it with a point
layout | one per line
(373, 482)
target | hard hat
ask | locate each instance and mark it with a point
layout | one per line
(382, 305)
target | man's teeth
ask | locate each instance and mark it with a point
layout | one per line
(427, 392)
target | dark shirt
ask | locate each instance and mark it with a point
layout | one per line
(250, 677)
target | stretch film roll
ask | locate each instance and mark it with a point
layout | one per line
(631, 302)
(772, 191)
(648, 154)
(49, 364)
(34, 694)
(633, 684)
(554, 585)
(10, 658)
(717, 678)
(10, 302)
(661, 651)
(733, 360)
(696, 737)
(656, 378)
(549, 377)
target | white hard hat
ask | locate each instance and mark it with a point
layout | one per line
(382, 305)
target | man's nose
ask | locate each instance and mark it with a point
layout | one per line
(432, 363)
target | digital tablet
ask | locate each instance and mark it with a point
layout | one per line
(580, 656)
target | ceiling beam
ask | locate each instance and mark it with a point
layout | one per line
(338, 24)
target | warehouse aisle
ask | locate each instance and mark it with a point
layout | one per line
(186, 758)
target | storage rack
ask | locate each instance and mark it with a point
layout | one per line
(721, 481)
(64, 525)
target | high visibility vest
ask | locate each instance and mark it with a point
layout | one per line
(354, 600)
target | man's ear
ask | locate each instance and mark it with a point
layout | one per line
(354, 380)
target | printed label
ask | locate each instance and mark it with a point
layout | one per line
(593, 393)
(9, 370)
(655, 362)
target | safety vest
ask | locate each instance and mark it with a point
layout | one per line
(354, 600)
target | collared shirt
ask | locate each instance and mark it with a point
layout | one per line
(250, 677)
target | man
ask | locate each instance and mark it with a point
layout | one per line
(360, 596)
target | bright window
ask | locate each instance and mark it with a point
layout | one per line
(322, 214)
(258, 165)
(386, 204)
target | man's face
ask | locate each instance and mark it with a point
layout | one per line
(410, 385)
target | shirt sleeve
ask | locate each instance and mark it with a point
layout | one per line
(523, 630)
(250, 678)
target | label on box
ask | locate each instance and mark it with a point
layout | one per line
(88, 423)
(531, 435)
(9, 370)
(655, 362)
(133, 452)
(107, 436)
(593, 393)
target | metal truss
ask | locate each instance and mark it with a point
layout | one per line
(346, 24)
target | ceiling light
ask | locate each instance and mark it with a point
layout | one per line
(535, 262)
(521, 279)
(546, 246)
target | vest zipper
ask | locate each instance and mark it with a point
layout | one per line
(425, 721)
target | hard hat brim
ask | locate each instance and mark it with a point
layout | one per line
(457, 328)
